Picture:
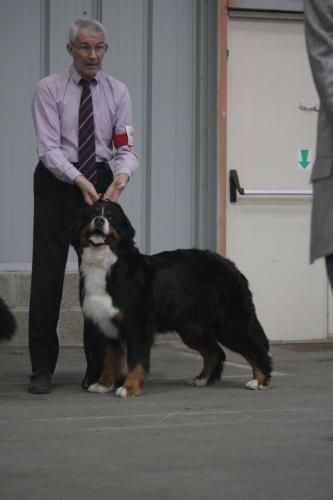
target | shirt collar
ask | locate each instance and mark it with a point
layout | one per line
(76, 77)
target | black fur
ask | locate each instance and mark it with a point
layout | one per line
(198, 294)
(7, 322)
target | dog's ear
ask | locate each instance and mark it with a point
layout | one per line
(79, 220)
(80, 217)
(126, 230)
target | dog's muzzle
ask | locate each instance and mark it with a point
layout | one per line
(100, 228)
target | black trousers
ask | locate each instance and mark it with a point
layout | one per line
(56, 224)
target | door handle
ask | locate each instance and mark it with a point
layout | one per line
(235, 187)
(309, 108)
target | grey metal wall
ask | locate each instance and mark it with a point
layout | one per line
(20, 61)
(165, 51)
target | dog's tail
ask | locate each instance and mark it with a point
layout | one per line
(7, 322)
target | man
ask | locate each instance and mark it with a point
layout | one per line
(82, 119)
(318, 17)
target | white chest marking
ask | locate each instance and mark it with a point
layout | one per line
(97, 304)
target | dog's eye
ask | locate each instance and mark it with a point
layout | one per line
(94, 214)
(108, 215)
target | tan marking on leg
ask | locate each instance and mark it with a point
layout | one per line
(210, 358)
(194, 337)
(135, 380)
(261, 378)
(112, 365)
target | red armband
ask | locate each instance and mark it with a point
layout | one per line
(119, 139)
(124, 139)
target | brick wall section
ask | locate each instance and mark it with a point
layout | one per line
(15, 290)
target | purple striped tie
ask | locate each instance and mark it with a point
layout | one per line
(87, 150)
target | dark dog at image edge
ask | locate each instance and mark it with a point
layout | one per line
(131, 297)
(7, 322)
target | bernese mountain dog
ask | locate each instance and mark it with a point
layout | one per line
(131, 297)
(7, 322)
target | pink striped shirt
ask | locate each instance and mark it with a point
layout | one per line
(55, 109)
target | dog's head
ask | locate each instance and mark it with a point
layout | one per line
(105, 223)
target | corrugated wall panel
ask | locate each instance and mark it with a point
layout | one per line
(173, 124)
(206, 127)
(62, 14)
(20, 56)
(154, 48)
(126, 23)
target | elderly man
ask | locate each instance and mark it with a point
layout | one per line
(82, 119)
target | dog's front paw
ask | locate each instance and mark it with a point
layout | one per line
(199, 382)
(125, 392)
(100, 389)
(121, 392)
(254, 385)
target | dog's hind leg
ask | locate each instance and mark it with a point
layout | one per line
(216, 374)
(253, 345)
(213, 355)
(261, 369)
(113, 361)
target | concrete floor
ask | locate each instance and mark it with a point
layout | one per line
(175, 441)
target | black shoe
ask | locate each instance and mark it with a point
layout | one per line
(40, 382)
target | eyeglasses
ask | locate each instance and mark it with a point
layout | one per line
(87, 49)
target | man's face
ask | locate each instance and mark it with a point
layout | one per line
(87, 52)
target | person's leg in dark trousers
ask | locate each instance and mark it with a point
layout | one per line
(54, 203)
(329, 268)
(94, 341)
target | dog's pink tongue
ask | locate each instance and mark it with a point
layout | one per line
(97, 239)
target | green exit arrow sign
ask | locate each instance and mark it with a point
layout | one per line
(304, 159)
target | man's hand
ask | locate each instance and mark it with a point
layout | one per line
(87, 189)
(114, 190)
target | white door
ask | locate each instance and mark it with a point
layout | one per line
(271, 144)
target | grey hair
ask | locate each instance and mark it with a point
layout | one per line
(93, 26)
